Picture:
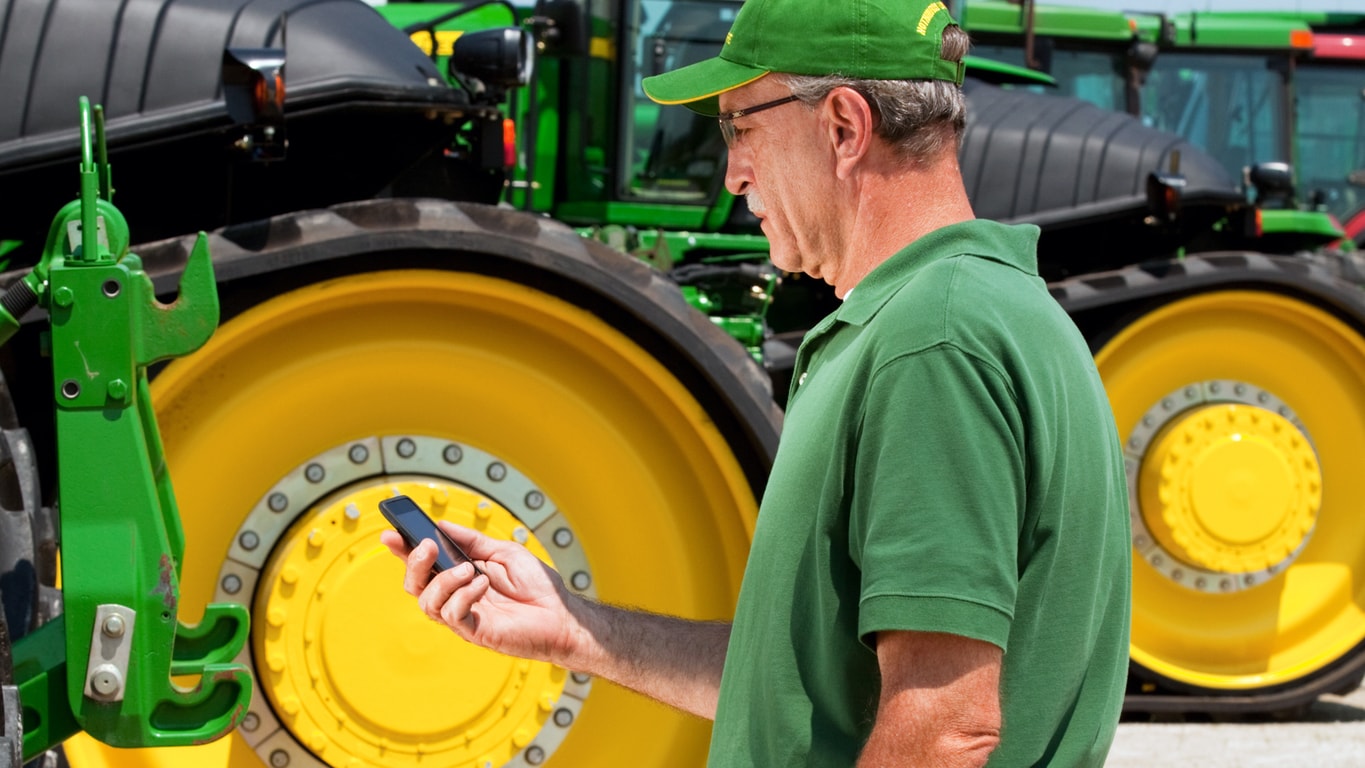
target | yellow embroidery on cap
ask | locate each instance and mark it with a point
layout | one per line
(928, 16)
(728, 38)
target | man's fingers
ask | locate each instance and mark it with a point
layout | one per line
(474, 544)
(457, 612)
(395, 543)
(420, 560)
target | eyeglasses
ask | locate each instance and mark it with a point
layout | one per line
(727, 119)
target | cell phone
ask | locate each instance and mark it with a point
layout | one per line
(414, 525)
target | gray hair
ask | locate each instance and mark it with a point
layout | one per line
(917, 117)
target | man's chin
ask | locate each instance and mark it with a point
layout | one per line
(782, 262)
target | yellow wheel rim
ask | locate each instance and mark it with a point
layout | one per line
(1228, 490)
(327, 660)
(1299, 546)
(661, 508)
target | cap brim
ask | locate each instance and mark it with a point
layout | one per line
(699, 86)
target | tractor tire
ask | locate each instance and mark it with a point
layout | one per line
(507, 375)
(1238, 385)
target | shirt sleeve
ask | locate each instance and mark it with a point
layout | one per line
(938, 496)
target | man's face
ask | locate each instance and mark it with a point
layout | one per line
(786, 173)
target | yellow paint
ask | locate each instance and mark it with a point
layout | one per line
(445, 41)
(602, 48)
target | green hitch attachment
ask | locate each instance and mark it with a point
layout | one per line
(121, 538)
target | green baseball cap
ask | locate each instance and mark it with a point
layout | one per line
(861, 39)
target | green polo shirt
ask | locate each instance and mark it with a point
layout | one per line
(948, 463)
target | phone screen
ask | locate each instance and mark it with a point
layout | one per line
(414, 525)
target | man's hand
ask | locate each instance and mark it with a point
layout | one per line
(518, 606)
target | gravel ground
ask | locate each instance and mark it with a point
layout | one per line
(1330, 735)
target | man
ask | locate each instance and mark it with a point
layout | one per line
(939, 573)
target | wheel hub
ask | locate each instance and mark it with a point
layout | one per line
(348, 671)
(1226, 486)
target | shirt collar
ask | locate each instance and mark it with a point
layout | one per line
(1013, 245)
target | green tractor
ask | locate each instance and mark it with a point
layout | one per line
(1231, 83)
(458, 255)
(1330, 114)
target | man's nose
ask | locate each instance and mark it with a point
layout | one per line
(738, 176)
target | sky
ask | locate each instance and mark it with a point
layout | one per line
(1177, 6)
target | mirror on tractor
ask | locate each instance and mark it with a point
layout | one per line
(1274, 184)
(561, 28)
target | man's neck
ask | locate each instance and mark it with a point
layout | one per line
(896, 203)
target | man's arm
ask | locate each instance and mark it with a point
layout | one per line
(519, 606)
(940, 701)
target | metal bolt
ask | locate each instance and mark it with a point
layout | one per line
(563, 537)
(1215, 388)
(278, 502)
(521, 534)
(251, 722)
(63, 297)
(105, 680)
(358, 454)
(563, 718)
(71, 389)
(314, 473)
(117, 389)
(580, 580)
(1240, 389)
(232, 584)
(279, 758)
(452, 454)
(535, 755)
(406, 448)
(111, 288)
(1177, 574)
(497, 471)
(249, 540)
(352, 512)
(535, 500)
(113, 625)
(582, 678)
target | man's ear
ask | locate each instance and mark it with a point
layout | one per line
(850, 128)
